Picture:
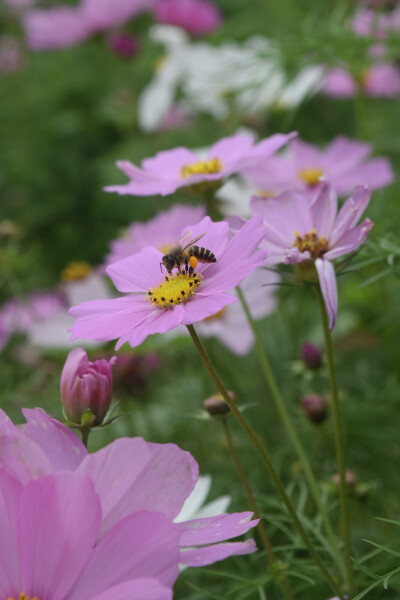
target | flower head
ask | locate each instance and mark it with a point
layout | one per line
(157, 302)
(313, 233)
(134, 480)
(379, 80)
(86, 386)
(163, 231)
(180, 167)
(195, 16)
(343, 164)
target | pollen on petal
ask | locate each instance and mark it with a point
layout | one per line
(174, 290)
(207, 167)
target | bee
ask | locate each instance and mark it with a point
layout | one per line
(186, 252)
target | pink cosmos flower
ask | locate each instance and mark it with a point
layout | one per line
(169, 170)
(86, 385)
(130, 476)
(64, 26)
(343, 164)
(156, 302)
(49, 530)
(368, 22)
(230, 324)
(162, 231)
(300, 231)
(380, 80)
(196, 16)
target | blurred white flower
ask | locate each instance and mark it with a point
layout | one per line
(194, 507)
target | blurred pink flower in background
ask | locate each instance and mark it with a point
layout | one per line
(314, 233)
(169, 170)
(49, 529)
(230, 325)
(195, 16)
(123, 44)
(380, 80)
(162, 231)
(130, 476)
(368, 22)
(344, 163)
(64, 26)
(11, 54)
(86, 385)
(155, 302)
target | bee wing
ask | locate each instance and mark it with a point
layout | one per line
(186, 241)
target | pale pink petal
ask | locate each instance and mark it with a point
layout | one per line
(137, 589)
(6, 425)
(61, 446)
(139, 272)
(142, 545)
(350, 240)
(23, 458)
(168, 164)
(132, 475)
(375, 173)
(59, 519)
(231, 149)
(105, 320)
(383, 80)
(343, 154)
(266, 148)
(10, 493)
(159, 320)
(305, 155)
(215, 239)
(327, 281)
(57, 27)
(283, 216)
(103, 14)
(199, 532)
(350, 213)
(207, 555)
(200, 307)
(339, 84)
(323, 211)
(146, 189)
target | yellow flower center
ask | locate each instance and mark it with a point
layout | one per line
(23, 596)
(316, 246)
(214, 165)
(365, 77)
(75, 271)
(218, 315)
(311, 176)
(174, 289)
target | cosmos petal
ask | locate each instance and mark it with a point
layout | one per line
(327, 281)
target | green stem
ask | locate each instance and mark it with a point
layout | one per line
(85, 435)
(253, 504)
(291, 431)
(264, 457)
(338, 442)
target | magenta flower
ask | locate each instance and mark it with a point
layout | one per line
(300, 231)
(123, 45)
(230, 324)
(196, 16)
(162, 231)
(85, 386)
(49, 531)
(157, 302)
(64, 26)
(180, 167)
(343, 164)
(130, 476)
(380, 80)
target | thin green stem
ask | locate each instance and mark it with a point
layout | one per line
(264, 457)
(253, 504)
(85, 435)
(338, 443)
(291, 431)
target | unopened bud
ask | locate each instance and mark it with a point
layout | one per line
(350, 476)
(315, 407)
(216, 405)
(86, 386)
(311, 355)
(123, 44)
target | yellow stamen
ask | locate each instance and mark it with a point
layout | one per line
(23, 596)
(174, 290)
(316, 246)
(208, 167)
(311, 176)
(75, 271)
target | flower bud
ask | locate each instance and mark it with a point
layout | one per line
(86, 386)
(315, 408)
(350, 477)
(123, 44)
(216, 405)
(311, 355)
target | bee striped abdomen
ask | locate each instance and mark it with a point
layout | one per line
(203, 254)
